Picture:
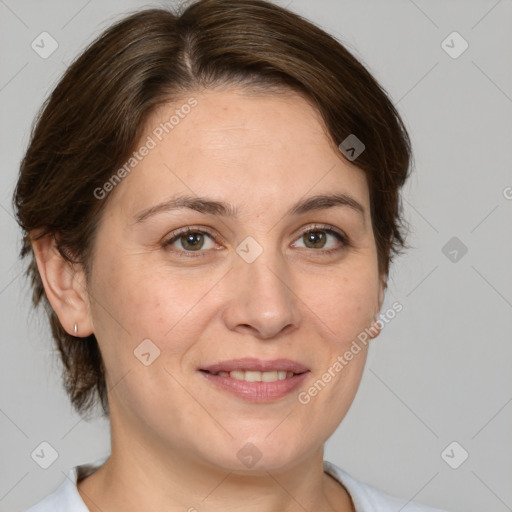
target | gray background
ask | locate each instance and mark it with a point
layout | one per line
(440, 371)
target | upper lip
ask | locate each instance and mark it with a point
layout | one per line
(257, 365)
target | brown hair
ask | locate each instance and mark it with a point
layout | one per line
(94, 118)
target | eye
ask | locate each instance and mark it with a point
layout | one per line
(191, 240)
(324, 238)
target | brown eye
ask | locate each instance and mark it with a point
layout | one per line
(321, 238)
(191, 241)
(314, 239)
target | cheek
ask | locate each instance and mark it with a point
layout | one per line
(136, 307)
(344, 303)
(143, 299)
(141, 302)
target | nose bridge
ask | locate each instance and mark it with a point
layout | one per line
(262, 297)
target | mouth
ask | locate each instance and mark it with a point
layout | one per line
(255, 376)
(256, 380)
(257, 370)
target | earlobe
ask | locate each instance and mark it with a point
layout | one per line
(64, 285)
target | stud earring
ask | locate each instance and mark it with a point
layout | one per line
(76, 329)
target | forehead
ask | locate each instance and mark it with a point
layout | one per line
(239, 147)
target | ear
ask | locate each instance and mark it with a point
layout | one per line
(376, 325)
(65, 286)
(382, 288)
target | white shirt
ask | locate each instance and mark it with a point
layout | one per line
(365, 497)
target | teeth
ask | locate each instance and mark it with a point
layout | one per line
(251, 376)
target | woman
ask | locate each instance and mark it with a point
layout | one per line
(210, 205)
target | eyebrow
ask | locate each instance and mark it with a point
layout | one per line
(212, 207)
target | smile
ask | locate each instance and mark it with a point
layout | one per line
(255, 376)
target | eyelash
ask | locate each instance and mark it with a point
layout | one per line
(316, 227)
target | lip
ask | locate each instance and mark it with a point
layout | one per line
(256, 392)
(256, 365)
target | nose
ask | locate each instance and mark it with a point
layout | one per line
(262, 301)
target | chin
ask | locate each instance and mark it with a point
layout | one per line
(259, 454)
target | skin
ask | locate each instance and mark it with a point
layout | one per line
(175, 436)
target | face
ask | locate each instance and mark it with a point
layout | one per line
(249, 267)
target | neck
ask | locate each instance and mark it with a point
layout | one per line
(141, 475)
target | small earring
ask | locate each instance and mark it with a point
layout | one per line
(76, 329)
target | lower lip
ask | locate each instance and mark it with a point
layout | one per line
(259, 392)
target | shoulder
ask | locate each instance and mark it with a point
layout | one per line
(367, 498)
(66, 497)
(63, 499)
